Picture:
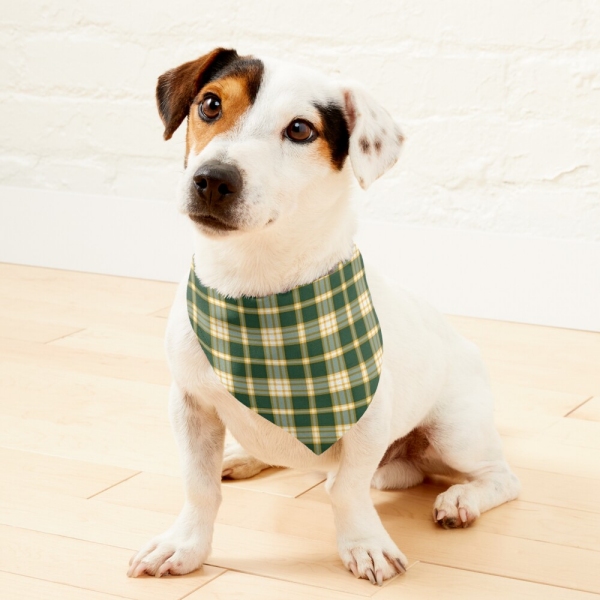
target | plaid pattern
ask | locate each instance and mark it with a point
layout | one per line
(308, 360)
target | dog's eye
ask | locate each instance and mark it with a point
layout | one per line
(210, 108)
(299, 130)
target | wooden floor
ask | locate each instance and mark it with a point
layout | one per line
(89, 470)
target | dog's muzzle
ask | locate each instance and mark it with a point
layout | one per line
(216, 187)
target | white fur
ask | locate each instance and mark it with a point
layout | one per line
(295, 225)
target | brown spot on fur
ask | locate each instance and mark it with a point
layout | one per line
(411, 447)
(377, 145)
(235, 101)
(365, 145)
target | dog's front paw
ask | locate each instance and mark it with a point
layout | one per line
(372, 559)
(172, 553)
(238, 464)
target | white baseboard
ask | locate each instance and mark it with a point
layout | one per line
(543, 281)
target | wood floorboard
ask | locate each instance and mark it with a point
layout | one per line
(89, 470)
(97, 567)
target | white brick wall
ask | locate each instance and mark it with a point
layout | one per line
(500, 99)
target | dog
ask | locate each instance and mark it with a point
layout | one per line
(271, 150)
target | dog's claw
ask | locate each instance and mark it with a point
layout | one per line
(399, 566)
(379, 577)
(354, 569)
(137, 569)
(371, 576)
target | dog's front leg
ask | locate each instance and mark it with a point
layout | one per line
(364, 545)
(184, 547)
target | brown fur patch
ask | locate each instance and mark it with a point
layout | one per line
(177, 88)
(365, 145)
(322, 148)
(411, 447)
(334, 137)
(235, 94)
(377, 145)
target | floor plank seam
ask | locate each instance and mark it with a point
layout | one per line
(560, 506)
(113, 485)
(307, 584)
(77, 460)
(538, 541)
(76, 587)
(488, 573)
(513, 463)
(205, 584)
(312, 487)
(62, 337)
(593, 478)
(578, 406)
(70, 537)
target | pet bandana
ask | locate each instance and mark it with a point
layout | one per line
(308, 360)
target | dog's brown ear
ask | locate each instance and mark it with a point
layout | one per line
(177, 88)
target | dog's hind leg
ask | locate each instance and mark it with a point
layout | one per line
(398, 474)
(470, 444)
(238, 464)
(400, 466)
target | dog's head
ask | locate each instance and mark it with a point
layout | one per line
(265, 139)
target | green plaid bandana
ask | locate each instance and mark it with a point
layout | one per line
(308, 360)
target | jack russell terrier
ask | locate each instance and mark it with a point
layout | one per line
(278, 334)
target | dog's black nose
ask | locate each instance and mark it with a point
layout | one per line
(218, 183)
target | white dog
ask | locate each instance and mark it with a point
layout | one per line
(271, 149)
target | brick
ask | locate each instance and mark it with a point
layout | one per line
(72, 128)
(512, 24)
(551, 151)
(567, 86)
(102, 66)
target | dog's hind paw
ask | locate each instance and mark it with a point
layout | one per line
(456, 507)
(238, 464)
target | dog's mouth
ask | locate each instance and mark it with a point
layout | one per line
(211, 222)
